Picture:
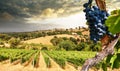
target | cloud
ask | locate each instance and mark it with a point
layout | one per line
(6, 16)
(38, 9)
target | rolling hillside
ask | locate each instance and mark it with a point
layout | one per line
(46, 40)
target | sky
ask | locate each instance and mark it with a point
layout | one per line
(31, 24)
(31, 15)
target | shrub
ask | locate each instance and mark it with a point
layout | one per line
(67, 45)
(14, 41)
(56, 41)
(44, 48)
(73, 40)
(82, 46)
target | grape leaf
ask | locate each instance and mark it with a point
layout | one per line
(108, 58)
(115, 12)
(112, 60)
(104, 66)
(116, 64)
(113, 23)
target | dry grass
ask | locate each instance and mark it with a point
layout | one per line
(46, 40)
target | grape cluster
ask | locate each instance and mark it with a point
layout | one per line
(96, 20)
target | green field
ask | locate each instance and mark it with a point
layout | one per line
(15, 54)
(76, 58)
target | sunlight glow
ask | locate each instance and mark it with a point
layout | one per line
(71, 21)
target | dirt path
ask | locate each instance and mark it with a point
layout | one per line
(69, 67)
(41, 64)
(4, 65)
(55, 66)
(7, 66)
(27, 66)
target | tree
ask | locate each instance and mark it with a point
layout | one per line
(14, 42)
(82, 46)
(73, 40)
(4, 37)
(55, 41)
(67, 45)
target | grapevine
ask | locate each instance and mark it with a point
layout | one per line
(14, 54)
(47, 60)
(36, 59)
(103, 27)
(75, 57)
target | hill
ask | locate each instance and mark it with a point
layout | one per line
(46, 40)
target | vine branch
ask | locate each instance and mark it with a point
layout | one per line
(109, 49)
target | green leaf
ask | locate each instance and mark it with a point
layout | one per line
(115, 12)
(104, 66)
(113, 23)
(118, 49)
(116, 64)
(118, 56)
(108, 58)
(112, 60)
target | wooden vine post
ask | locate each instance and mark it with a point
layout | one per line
(108, 44)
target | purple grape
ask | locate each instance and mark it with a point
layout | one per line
(85, 5)
(96, 20)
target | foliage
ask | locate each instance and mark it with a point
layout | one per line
(79, 32)
(75, 44)
(112, 61)
(73, 40)
(36, 59)
(15, 54)
(44, 48)
(95, 46)
(67, 45)
(14, 42)
(47, 59)
(32, 35)
(82, 46)
(88, 46)
(113, 22)
(55, 41)
(74, 57)
(4, 37)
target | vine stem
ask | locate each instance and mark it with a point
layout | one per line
(109, 49)
(101, 4)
